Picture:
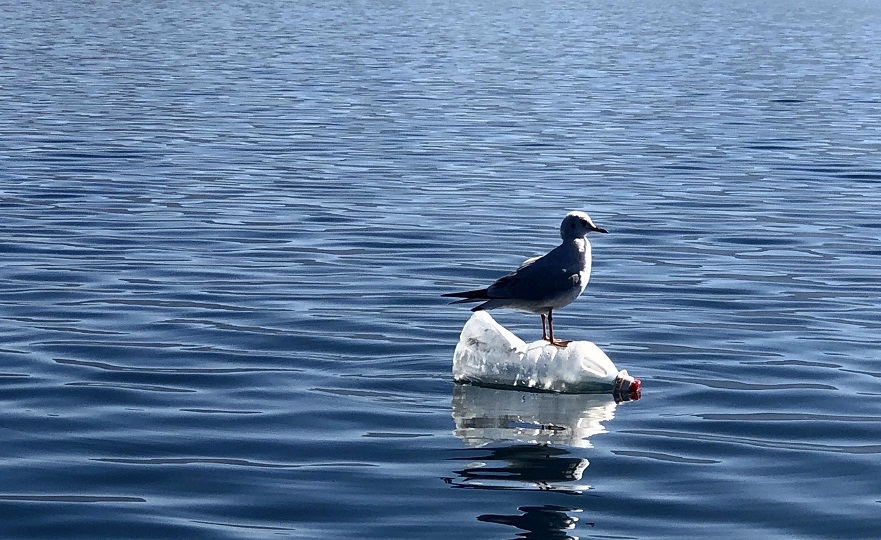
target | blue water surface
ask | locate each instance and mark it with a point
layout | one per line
(226, 227)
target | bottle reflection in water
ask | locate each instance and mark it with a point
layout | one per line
(526, 441)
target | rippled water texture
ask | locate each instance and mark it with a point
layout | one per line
(226, 228)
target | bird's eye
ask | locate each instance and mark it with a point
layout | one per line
(584, 222)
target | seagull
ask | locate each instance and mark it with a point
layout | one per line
(543, 284)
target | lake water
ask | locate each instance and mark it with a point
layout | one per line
(226, 227)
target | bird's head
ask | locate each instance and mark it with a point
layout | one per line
(577, 225)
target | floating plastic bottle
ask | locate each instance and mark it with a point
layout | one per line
(488, 354)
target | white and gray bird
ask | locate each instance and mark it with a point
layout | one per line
(543, 284)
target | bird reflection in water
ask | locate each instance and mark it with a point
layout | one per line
(522, 467)
(547, 522)
(533, 467)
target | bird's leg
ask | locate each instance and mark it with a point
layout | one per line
(544, 332)
(553, 341)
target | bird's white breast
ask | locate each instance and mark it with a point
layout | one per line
(582, 268)
(585, 269)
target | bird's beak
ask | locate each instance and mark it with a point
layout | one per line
(598, 229)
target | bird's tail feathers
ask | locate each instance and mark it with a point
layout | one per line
(481, 307)
(468, 296)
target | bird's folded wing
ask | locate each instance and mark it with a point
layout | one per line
(535, 281)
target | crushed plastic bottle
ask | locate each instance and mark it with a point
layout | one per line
(488, 354)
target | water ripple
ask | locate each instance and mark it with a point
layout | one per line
(666, 457)
(71, 498)
(762, 443)
(183, 371)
